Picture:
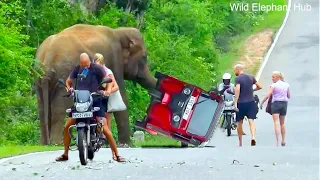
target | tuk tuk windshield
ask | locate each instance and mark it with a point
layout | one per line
(202, 116)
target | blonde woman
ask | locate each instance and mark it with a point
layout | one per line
(99, 59)
(280, 94)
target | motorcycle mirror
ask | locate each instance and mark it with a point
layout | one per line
(106, 80)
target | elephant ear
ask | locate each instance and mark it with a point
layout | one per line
(136, 50)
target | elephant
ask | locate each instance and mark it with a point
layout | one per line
(124, 52)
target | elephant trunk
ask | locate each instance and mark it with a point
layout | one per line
(147, 81)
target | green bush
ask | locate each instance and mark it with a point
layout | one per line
(15, 76)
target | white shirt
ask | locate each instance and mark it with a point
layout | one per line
(107, 70)
(227, 96)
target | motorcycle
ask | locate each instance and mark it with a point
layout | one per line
(229, 115)
(89, 137)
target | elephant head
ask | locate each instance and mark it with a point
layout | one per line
(135, 57)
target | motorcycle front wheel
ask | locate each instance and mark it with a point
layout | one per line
(83, 146)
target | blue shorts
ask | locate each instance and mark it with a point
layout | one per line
(248, 109)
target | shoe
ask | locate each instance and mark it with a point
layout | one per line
(253, 142)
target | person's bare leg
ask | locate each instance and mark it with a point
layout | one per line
(66, 139)
(283, 130)
(275, 118)
(252, 128)
(252, 131)
(109, 118)
(240, 132)
(107, 132)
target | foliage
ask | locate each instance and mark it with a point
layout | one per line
(15, 77)
(184, 38)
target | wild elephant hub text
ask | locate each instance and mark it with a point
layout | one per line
(255, 7)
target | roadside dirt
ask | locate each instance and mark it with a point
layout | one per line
(254, 49)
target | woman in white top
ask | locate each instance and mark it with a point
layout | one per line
(99, 59)
(280, 94)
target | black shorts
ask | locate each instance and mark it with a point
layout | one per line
(105, 104)
(248, 109)
(279, 107)
(97, 102)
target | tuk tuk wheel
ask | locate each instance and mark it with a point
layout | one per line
(184, 145)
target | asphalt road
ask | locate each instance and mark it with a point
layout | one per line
(297, 55)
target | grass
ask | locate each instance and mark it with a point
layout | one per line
(157, 141)
(271, 20)
(13, 150)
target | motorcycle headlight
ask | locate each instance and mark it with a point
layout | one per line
(81, 107)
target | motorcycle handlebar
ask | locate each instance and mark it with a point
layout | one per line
(92, 94)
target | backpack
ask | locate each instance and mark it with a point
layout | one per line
(257, 102)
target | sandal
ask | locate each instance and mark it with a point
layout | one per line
(62, 158)
(253, 142)
(118, 159)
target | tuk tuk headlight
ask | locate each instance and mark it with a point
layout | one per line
(176, 118)
(187, 91)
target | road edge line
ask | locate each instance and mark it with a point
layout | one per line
(42, 152)
(24, 155)
(265, 61)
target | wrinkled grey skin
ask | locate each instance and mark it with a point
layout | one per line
(297, 55)
(124, 52)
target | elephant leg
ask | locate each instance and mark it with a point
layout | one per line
(40, 111)
(122, 121)
(58, 114)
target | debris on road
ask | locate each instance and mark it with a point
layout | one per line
(180, 163)
(66, 168)
(134, 160)
(236, 162)
(166, 167)
(256, 166)
(94, 168)
(13, 169)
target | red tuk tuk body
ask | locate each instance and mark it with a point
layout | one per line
(182, 111)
